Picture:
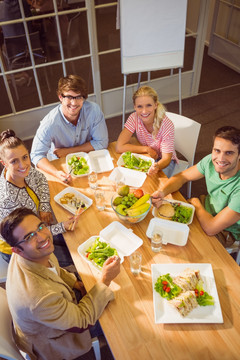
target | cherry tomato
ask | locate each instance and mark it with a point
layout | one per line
(164, 282)
(168, 289)
(164, 287)
(87, 254)
(201, 292)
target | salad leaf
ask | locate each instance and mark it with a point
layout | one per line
(79, 165)
(100, 251)
(203, 298)
(182, 214)
(132, 162)
(163, 283)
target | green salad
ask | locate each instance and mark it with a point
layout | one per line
(100, 251)
(79, 165)
(131, 162)
(166, 287)
(182, 214)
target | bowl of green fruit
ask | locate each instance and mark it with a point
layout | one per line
(131, 207)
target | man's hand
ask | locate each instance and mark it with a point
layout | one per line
(46, 217)
(79, 286)
(111, 268)
(61, 175)
(195, 202)
(157, 198)
(152, 153)
(61, 152)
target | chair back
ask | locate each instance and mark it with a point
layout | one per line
(3, 270)
(8, 348)
(73, 32)
(16, 47)
(186, 135)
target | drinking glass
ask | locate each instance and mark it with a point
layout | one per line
(156, 241)
(135, 263)
(92, 180)
(100, 199)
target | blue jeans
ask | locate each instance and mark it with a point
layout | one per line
(169, 169)
(61, 251)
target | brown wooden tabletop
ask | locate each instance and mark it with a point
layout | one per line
(128, 321)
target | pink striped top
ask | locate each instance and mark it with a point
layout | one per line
(164, 141)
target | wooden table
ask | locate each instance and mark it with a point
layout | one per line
(128, 321)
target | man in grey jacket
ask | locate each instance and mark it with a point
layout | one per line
(49, 323)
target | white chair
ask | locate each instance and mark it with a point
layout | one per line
(235, 248)
(186, 137)
(96, 348)
(8, 348)
(3, 270)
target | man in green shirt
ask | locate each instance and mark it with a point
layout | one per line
(218, 212)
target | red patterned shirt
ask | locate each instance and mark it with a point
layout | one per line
(162, 143)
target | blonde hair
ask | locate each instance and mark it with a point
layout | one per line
(160, 110)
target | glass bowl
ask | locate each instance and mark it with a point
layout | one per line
(128, 218)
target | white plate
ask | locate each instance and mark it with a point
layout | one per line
(79, 154)
(101, 161)
(166, 314)
(154, 211)
(128, 177)
(88, 202)
(173, 232)
(98, 161)
(138, 156)
(118, 236)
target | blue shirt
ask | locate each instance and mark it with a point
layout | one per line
(55, 131)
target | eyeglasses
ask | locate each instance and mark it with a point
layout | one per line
(70, 98)
(29, 237)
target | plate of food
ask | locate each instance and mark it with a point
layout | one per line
(78, 164)
(185, 293)
(114, 239)
(72, 200)
(174, 210)
(137, 162)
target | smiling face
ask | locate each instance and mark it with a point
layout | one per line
(17, 163)
(145, 108)
(225, 158)
(40, 247)
(71, 108)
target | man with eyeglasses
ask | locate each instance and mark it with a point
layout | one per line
(49, 322)
(73, 126)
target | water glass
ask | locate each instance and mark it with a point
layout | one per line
(92, 180)
(156, 241)
(135, 263)
(100, 199)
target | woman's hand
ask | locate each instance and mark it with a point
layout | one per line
(153, 169)
(46, 217)
(71, 223)
(152, 153)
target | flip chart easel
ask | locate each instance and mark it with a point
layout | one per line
(152, 37)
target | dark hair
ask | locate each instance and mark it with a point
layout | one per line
(229, 133)
(10, 222)
(74, 83)
(8, 140)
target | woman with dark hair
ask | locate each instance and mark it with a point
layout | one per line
(23, 186)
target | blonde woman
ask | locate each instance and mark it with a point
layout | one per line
(154, 131)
